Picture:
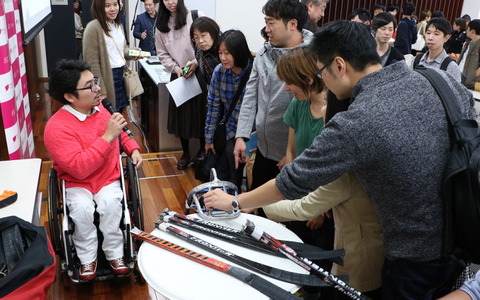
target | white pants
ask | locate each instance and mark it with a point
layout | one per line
(81, 203)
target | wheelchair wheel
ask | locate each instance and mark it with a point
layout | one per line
(55, 212)
(134, 195)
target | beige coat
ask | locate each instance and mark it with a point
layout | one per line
(357, 227)
(96, 55)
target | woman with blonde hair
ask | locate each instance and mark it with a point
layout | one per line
(305, 114)
(305, 117)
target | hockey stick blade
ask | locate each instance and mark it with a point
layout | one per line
(334, 281)
(282, 275)
(260, 284)
(306, 250)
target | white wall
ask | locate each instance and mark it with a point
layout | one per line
(41, 55)
(472, 8)
(245, 15)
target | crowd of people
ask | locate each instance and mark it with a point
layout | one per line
(345, 128)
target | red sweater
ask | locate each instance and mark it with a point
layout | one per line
(80, 155)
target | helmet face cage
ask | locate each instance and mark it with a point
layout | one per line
(195, 198)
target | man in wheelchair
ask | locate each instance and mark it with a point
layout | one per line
(84, 140)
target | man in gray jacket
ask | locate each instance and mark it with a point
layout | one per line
(265, 99)
(394, 136)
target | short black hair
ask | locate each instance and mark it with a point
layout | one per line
(378, 6)
(440, 24)
(383, 19)
(475, 25)
(236, 44)
(205, 24)
(64, 78)
(287, 10)
(408, 8)
(438, 14)
(392, 7)
(362, 13)
(316, 2)
(353, 41)
(466, 17)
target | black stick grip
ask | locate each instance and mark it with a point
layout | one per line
(264, 286)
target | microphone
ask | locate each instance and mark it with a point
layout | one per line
(108, 105)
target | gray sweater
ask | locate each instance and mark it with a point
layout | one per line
(394, 137)
(266, 101)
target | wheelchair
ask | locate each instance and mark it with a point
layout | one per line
(61, 227)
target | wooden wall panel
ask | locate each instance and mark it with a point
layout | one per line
(339, 9)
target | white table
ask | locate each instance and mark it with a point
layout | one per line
(21, 176)
(476, 96)
(171, 276)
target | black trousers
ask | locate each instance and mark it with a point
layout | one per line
(263, 170)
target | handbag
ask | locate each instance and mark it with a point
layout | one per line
(220, 134)
(419, 44)
(133, 85)
(202, 169)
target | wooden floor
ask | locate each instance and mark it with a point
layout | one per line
(162, 186)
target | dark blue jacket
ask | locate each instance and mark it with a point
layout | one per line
(406, 36)
(145, 22)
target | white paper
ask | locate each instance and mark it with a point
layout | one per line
(183, 89)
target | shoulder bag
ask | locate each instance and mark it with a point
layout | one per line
(133, 85)
(220, 134)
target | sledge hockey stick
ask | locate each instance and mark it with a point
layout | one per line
(215, 233)
(332, 280)
(260, 284)
(237, 236)
(287, 276)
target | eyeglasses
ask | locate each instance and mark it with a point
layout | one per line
(319, 72)
(95, 83)
(201, 37)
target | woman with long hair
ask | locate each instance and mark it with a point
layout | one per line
(175, 51)
(105, 50)
(228, 77)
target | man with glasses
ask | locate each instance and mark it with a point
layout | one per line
(82, 139)
(395, 138)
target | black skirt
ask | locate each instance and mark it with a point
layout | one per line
(188, 120)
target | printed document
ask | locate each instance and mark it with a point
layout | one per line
(183, 89)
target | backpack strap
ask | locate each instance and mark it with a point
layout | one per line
(194, 14)
(418, 57)
(446, 62)
(452, 108)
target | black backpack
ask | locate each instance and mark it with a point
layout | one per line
(443, 66)
(461, 178)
